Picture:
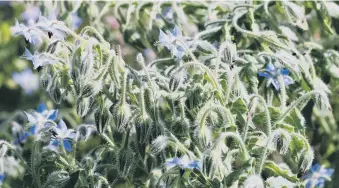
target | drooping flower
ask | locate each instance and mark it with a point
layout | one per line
(173, 41)
(272, 73)
(31, 32)
(27, 80)
(63, 137)
(31, 13)
(317, 175)
(38, 59)
(40, 118)
(45, 28)
(183, 163)
(76, 21)
(52, 26)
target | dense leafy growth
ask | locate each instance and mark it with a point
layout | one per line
(220, 95)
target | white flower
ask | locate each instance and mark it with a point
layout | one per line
(52, 26)
(38, 60)
(31, 33)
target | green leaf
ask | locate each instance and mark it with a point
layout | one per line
(274, 170)
(286, 127)
(239, 173)
(296, 119)
(260, 119)
(239, 106)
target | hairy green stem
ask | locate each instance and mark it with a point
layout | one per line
(267, 113)
(223, 136)
(283, 95)
(295, 104)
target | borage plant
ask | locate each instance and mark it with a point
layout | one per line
(204, 116)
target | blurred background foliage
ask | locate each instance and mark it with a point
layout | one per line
(135, 26)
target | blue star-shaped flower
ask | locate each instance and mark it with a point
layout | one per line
(169, 40)
(40, 118)
(317, 175)
(272, 73)
(183, 163)
(64, 136)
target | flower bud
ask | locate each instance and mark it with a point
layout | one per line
(227, 52)
(91, 88)
(121, 114)
(143, 128)
(102, 119)
(281, 140)
(82, 106)
(125, 162)
(306, 160)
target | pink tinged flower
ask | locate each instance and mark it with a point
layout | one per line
(27, 80)
(150, 55)
(112, 21)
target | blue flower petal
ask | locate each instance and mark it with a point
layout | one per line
(264, 74)
(175, 161)
(284, 72)
(28, 55)
(276, 84)
(329, 172)
(176, 32)
(53, 115)
(42, 107)
(270, 67)
(23, 137)
(162, 36)
(309, 184)
(194, 164)
(55, 142)
(67, 145)
(288, 80)
(62, 125)
(32, 130)
(320, 182)
(2, 177)
(316, 168)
